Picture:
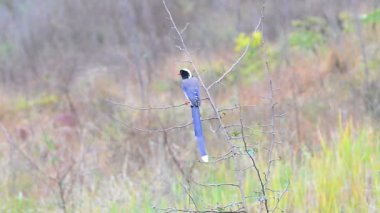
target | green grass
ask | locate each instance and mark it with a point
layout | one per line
(342, 175)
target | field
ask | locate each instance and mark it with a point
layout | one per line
(93, 117)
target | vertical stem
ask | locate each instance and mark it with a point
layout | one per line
(263, 191)
(273, 113)
(273, 133)
(358, 28)
(62, 195)
(239, 177)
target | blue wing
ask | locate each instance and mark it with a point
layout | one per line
(191, 89)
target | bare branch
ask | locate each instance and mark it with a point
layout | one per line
(161, 130)
(235, 107)
(14, 145)
(185, 28)
(231, 68)
(237, 61)
(148, 108)
(168, 210)
(280, 197)
(273, 135)
(216, 184)
(240, 137)
(263, 191)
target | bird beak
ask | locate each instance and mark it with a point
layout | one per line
(178, 73)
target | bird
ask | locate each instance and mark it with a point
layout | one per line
(190, 86)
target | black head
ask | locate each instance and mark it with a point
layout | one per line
(185, 74)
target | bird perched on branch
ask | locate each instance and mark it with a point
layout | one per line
(190, 86)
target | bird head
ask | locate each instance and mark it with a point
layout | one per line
(185, 73)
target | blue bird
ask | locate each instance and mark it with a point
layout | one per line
(190, 86)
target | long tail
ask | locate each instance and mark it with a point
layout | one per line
(199, 133)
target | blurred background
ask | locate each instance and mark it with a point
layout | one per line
(67, 147)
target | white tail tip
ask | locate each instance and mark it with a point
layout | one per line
(205, 158)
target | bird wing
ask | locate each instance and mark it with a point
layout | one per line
(187, 97)
(191, 90)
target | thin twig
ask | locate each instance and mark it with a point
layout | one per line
(14, 145)
(273, 117)
(216, 184)
(280, 197)
(160, 130)
(148, 108)
(263, 191)
(185, 28)
(236, 62)
(235, 107)
(177, 163)
(168, 210)
(221, 158)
